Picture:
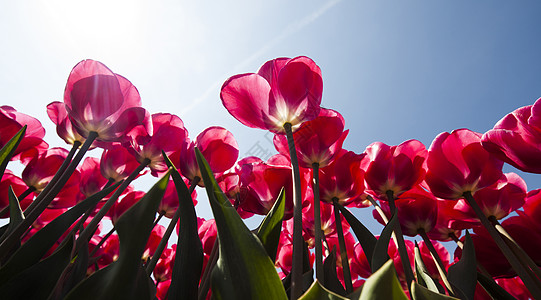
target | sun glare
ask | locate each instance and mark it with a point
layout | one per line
(94, 25)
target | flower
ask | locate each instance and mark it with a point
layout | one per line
(316, 141)
(394, 168)
(515, 140)
(98, 100)
(283, 91)
(457, 163)
(32, 144)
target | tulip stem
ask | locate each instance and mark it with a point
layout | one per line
(317, 224)
(343, 249)
(91, 228)
(160, 216)
(531, 284)
(205, 278)
(524, 258)
(297, 256)
(165, 239)
(48, 194)
(101, 242)
(54, 180)
(402, 250)
(437, 259)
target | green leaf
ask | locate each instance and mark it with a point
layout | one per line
(123, 279)
(330, 277)
(380, 256)
(16, 215)
(319, 292)
(493, 289)
(422, 293)
(366, 238)
(189, 255)
(34, 249)
(463, 274)
(383, 284)
(423, 276)
(9, 148)
(271, 227)
(38, 281)
(243, 270)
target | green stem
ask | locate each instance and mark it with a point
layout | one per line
(437, 259)
(54, 180)
(160, 216)
(205, 278)
(531, 284)
(48, 196)
(93, 225)
(26, 193)
(165, 239)
(402, 250)
(317, 225)
(102, 241)
(524, 258)
(343, 250)
(297, 256)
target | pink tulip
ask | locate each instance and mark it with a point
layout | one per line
(217, 145)
(42, 168)
(515, 140)
(11, 121)
(282, 91)
(497, 200)
(393, 168)
(59, 115)
(457, 163)
(17, 184)
(343, 179)
(117, 163)
(101, 101)
(316, 141)
(168, 135)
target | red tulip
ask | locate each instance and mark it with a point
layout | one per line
(343, 180)
(42, 168)
(169, 204)
(457, 163)
(168, 135)
(394, 168)
(101, 101)
(282, 91)
(516, 140)
(92, 180)
(59, 115)
(17, 184)
(123, 204)
(498, 200)
(117, 163)
(316, 141)
(442, 231)
(217, 145)
(11, 121)
(417, 210)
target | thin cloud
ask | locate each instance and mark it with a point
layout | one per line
(288, 31)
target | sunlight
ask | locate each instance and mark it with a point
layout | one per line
(93, 26)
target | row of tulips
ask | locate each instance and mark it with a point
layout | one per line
(54, 248)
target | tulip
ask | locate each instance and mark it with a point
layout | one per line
(515, 140)
(282, 91)
(98, 100)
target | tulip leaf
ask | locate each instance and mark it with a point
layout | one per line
(34, 249)
(271, 227)
(126, 278)
(16, 215)
(366, 238)
(243, 270)
(463, 274)
(422, 293)
(319, 292)
(492, 288)
(383, 284)
(189, 255)
(380, 256)
(38, 281)
(423, 276)
(330, 277)
(9, 148)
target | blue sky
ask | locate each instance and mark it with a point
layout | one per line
(396, 70)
